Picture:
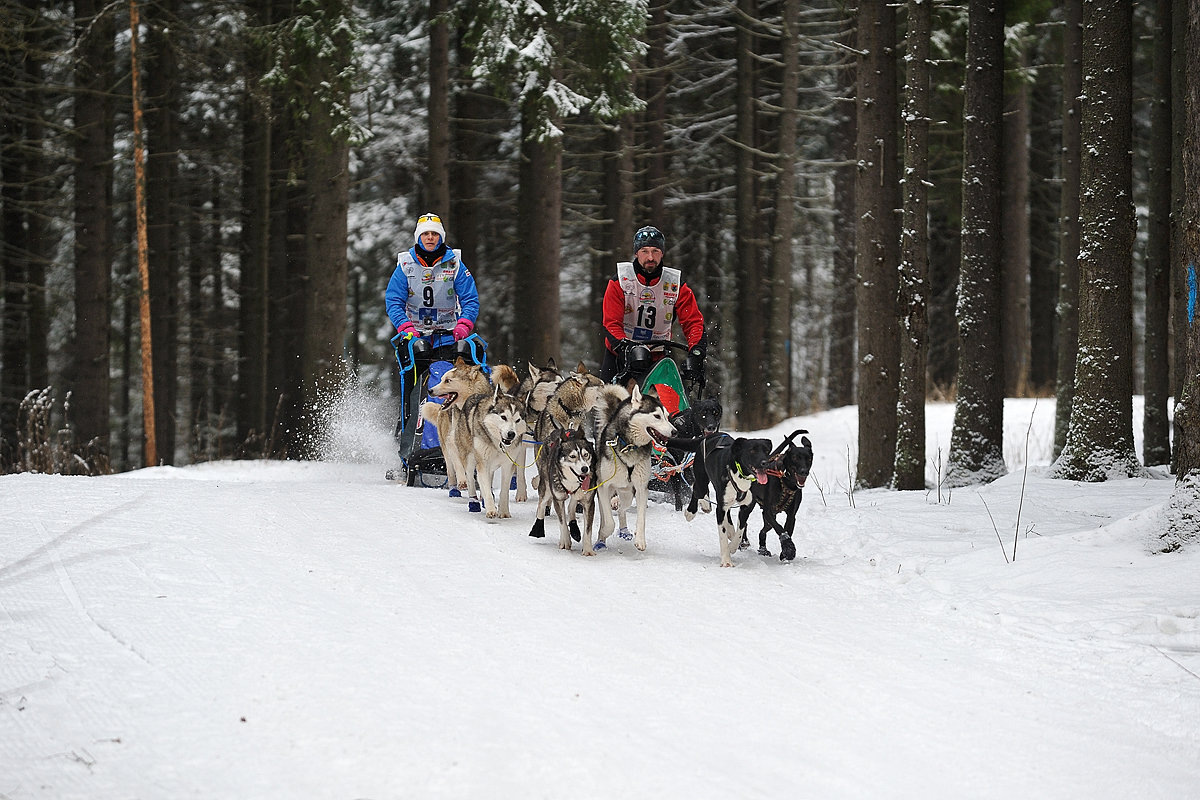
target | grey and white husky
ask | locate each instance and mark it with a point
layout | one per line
(566, 467)
(624, 452)
(494, 440)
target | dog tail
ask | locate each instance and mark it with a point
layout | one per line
(783, 445)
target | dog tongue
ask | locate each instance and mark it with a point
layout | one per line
(586, 483)
(761, 476)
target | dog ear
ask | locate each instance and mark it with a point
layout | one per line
(805, 442)
(550, 363)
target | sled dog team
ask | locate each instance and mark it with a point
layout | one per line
(593, 444)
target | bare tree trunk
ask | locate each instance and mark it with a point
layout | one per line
(977, 441)
(1183, 510)
(655, 148)
(147, 323)
(252, 400)
(162, 198)
(1014, 265)
(877, 245)
(914, 256)
(1156, 438)
(537, 310)
(437, 183)
(1180, 22)
(840, 391)
(93, 224)
(1068, 275)
(1045, 109)
(1100, 437)
(753, 302)
(779, 340)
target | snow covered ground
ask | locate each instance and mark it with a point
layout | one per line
(306, 630)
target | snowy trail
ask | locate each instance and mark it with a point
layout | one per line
(305, 630)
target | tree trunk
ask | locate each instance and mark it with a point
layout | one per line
(914, 255)
(840, 391)
(1045, 110)
(779, 340)
(253, 402)
(93, 226)
(977, 441)
(1068, 275)
(437, 182)
(536, 304)
(1180, 66)
(753, 302)
(162, 176)
(1100, 436)
(877, 245)
(1183, 510)
(1156, 434)
(1014, 264)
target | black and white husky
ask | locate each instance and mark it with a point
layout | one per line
(495, 430)
(624, 452)
(566, 466)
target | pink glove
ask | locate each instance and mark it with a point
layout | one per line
(463, 329)
(407, 328)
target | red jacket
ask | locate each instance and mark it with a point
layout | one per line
(687, 313)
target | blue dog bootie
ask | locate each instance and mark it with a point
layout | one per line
(473, 506)
(625, 534)
(454, 492)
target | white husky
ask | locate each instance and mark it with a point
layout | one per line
(624, 452)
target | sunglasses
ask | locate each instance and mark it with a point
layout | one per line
(429, 218)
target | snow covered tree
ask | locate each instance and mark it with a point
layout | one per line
(877, 244)
(914, 254)
(977, 442)
(1183, 510)
(556, 59)
(1100, 436)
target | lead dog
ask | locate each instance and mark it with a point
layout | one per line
(626, 446)
(566, 465)
(731, 465)
(787, 472)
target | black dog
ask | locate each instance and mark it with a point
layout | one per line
(787, 471)
(732, 465)
(699, 419)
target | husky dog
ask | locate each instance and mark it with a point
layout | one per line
(534, 392)
(457, 385)
(569, 404)
(732, 465)
(566, 466)
(787, 472)
(495, 425)
(625, 449)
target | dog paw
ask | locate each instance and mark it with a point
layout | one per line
(706, 506)
(762, 551)
(689, 515)
(597, 546)
(474, 507)
(454, 492)
(625, 534)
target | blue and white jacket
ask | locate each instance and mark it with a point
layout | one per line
(433, 295)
